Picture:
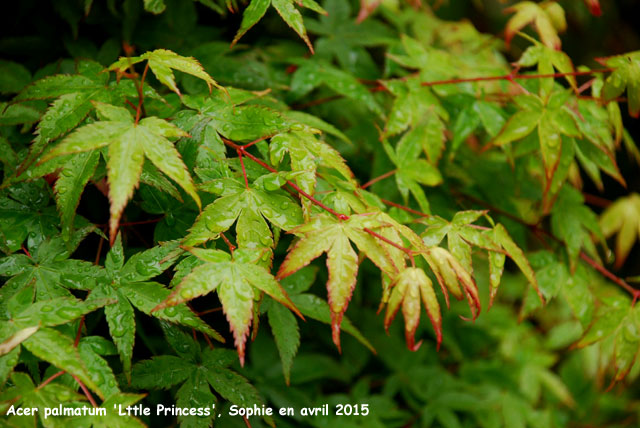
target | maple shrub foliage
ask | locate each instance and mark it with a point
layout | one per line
(187, 223)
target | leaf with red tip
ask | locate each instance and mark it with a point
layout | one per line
(342, 263)
(594, 7)
(548, 19)
(236, 282)
(626, 75)
(324, 234)
(411, 286)
(517, 255)
(129, 143)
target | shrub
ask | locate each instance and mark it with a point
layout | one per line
(380, 161)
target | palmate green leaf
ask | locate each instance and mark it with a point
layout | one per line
(546, 57)
(162, 62)
(196, 393)
(111, 419)
(251, 208)
(345, 39)
(74, 96)
(130, 287)
(23, 393)
(57, 349)
(573, 223)
(548, 19)
(617, 321)
(165, 371)
(26, 215)
(287, 11)
(552, 121)
(622, 217)
(241, 123)
(234, 281)
(229, 384)
(286, 334)
(129, 143)
(306, 153)
(411, 173)
(48, 274)
(75, 175)
(626, 74)
(160, 372)
(312, 74)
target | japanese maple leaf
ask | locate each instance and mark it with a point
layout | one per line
(130, 286)
(250, 207)
(412, 285)
(324, 234)
(162, 62)
(196, 372)
(129, 143)
(236, 279)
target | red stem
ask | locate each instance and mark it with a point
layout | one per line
(403, 208)
(512, 77)
(26, 251)
(409, 252)
(635, 293)
(244, 172)
(52, 377)
(209, 311)
(229, 244)
(141, 93)
(596, 200)
(79, 333)
(313, 200)
(379, 178)
(97, 260)
(246, 146)
(85, 390)
(607, 274)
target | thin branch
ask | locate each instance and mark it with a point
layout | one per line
(408, 251)
(79, 333)
(85, 390)
(229, 244)
(26, 251)
(606, 273)
(596, 200)
(97, 260)
(141, 93)
(404, 208)
(537, 230)
(244, 171)
(379, 178)
(50, 378)
(246, 146)
(313, 200)
(511, 77)
(209, 311)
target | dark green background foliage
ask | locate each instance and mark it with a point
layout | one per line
(171, 209)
